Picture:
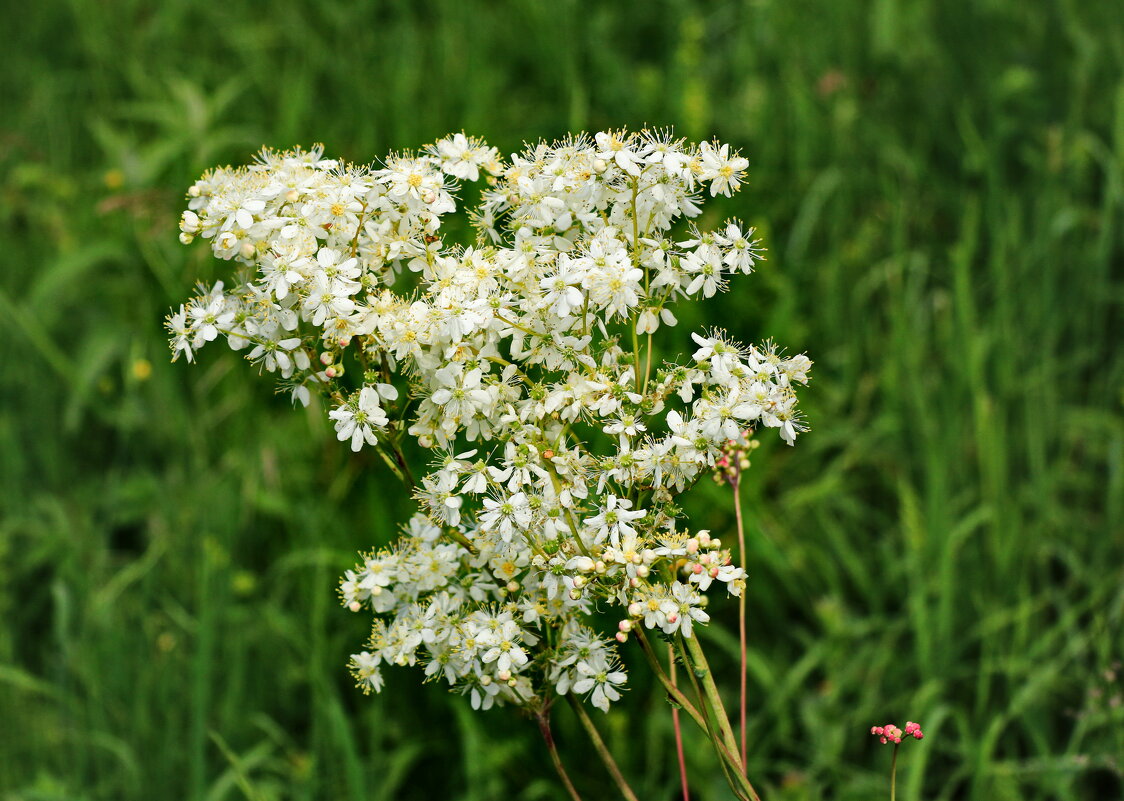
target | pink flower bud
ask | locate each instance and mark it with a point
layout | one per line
(622, 636)
(697, 569)
(635, 609)
(692, 545)
(354, 606)
(714, 572)
(625, 626)
(672, 617)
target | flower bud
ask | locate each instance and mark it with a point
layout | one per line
(354, 606)
(485, 680)
(635, 609)
(186, 239)
(193, 190)
(579, 582)
(326, 358)
(672, 617)
(548, 454)
(697, 569)
(625, 626)
(716, 543)
(513, 586)
(714, 572)
(504, 675)
(622, 636)
(599, 566)
(599, 166)
(634, 582)
(642, 571)
(575, 594)
(704, 539)
(692, 545)
(189, 222)
(248, 250)
(292, 195)
(429, 196)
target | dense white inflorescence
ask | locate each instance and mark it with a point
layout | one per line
(525, 364)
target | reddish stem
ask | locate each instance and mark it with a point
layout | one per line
(678, 730)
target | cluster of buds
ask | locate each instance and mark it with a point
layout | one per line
(734, 458)
(892, 734)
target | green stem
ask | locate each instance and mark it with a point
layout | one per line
(602, 750)
(894, 774)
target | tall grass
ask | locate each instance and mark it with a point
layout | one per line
(941, 188)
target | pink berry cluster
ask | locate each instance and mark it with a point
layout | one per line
(892, 734)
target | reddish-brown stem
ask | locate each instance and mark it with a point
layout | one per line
(543, 719)
(736, 483)
(678, 730)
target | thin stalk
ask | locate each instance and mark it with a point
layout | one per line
(728, 755)
(715, 737)
(741, 609)
(719, 709)
(894, 773)
(713, 697)
(602, 750)
(678, 730)
(543, 719)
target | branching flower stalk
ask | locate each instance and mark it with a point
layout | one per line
(555, 457)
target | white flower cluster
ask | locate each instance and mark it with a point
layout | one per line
(526, 363)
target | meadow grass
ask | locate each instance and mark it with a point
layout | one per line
(940, 186)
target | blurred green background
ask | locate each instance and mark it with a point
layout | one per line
(940, 185)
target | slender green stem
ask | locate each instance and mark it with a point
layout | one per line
(739, 783)
(602, 750)
(711, 691)
(543, 719)
(894, 774)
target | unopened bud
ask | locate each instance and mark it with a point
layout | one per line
(292, 195)
(326, 358)
(622, 636)
(376, 590)
(579, 582)
(331, 372)
(429, 197)
(704, 539)
(697, 569)
(193, 191)
(716, 543)
(599, 166)
(625, 626)
(599, 566)
(714, 572)
(575, 594)
(642, 571)
(354, 606)
(634, 582)
(635, 609)
(513, 586)
(672, 617)
(704, 559)
(186, 239)
(504, 675)
(485, 680)
(248, 250)
(548, 454)
(692, 545)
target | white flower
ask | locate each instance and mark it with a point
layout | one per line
(358, 420)
(599, 677)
